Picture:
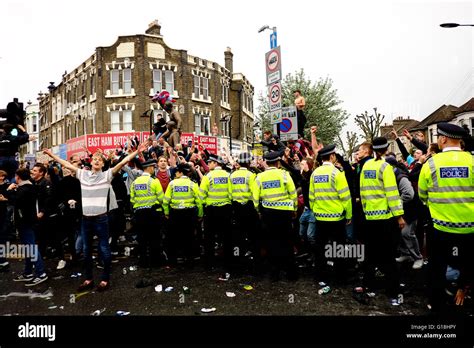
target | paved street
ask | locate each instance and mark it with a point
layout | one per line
(206, 291)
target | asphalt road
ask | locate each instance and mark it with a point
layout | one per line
(58, 295)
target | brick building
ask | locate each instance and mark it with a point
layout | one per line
(111, 90)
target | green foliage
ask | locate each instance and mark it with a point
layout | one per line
(323, 106)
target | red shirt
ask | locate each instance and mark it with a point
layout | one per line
(164, 179)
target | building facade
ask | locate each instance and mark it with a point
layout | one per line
(29, 149)
(112, 89)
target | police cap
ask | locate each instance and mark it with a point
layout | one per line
(380, 143)
(451, 130)
(245, 157)
(272, 157)
(327, 150)
(214, 158)
(149, 163)
(183, 168)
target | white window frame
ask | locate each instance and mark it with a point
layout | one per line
(205, 125)
(157, 82)
(127, 120)
(197, 124)
(169, 83)
(127, 81)
(114, 82)
(115, 121)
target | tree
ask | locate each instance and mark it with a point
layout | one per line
(322, 105)
(370, 124)
(351, 140)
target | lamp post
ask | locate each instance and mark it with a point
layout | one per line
(455, 25)
(149, 114)
(228, 119)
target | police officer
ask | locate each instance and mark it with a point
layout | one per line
(383, 210)
(275, 191)
(183, 208)
(146, 196)
(446, 185)
(245, 215)
(215, 194)
(330, 200)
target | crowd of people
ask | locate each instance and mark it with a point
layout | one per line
(291, 208)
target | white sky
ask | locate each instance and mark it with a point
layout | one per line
(387, 53)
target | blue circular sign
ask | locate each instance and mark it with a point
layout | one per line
(285, 125)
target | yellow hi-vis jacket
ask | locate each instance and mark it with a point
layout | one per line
(379, 191)
(329, 195)
(276, 190)
(182, 193)
(446, 185)
(215, 188)
(145, 192)
(241, 183)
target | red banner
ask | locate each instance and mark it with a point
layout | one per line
(75, 146)
(109, 141)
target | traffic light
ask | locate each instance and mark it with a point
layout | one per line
(13, 114)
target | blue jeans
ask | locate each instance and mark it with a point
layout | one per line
(27, 237)
(308, 226)
(98, 225)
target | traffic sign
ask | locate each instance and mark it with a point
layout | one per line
(275, 116)
(273, 40)
(273, 65)
(286, 125)
(274, 93)
(289, 124)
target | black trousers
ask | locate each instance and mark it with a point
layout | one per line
(301, 118)
(149, 236)
(449, 249)
(70, 223)
(326, 232)
(217, 227)
(247, 233)
(117, 223)
(381, 243)
(278, 240)
(180, 234)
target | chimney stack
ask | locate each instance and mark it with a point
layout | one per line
(228, 58)
(154, 28)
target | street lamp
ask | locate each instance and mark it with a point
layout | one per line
(455, 25)
(273, 36)
(149, 114)
(228, 119)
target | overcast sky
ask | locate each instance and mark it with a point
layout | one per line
(386, 53)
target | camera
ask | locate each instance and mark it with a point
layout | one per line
(13, 114)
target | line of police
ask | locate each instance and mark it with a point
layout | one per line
(445, 185)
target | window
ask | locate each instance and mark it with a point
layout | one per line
(201, 87)
(431, 136)
(225, 94)
(125, 125)
(472, 126)
(92, 84)
(169, 81)
(34, 124)
(163, 76)
(127, 81)
(115, 121)
(197, 123)
(127, 120)
(196, 86)
(114, 82)
(206, 125)
(157, 80)
(225, 128)
(83, 88)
